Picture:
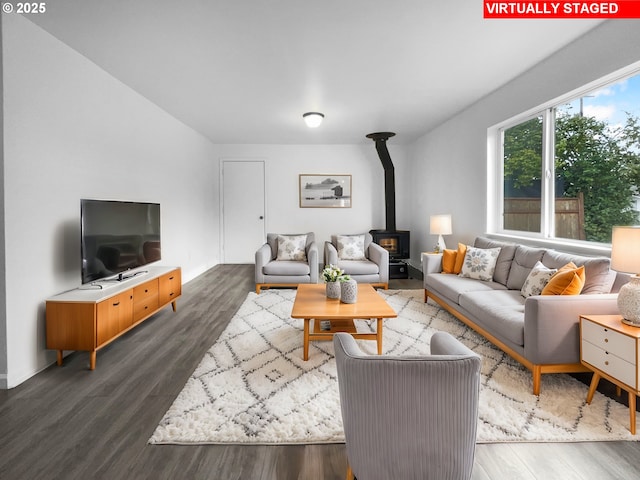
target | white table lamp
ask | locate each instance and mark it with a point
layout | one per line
(625, 257)
(440, 225)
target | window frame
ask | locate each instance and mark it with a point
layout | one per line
(495, 171)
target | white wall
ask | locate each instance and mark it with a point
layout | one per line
(449, 164)
(285, 162)
(73, 131)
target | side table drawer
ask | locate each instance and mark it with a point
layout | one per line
(609, 340)
(609, 363)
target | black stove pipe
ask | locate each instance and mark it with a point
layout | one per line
(389, 178)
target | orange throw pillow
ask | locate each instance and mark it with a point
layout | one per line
(568, 281)
(448, 260)
(462, 251)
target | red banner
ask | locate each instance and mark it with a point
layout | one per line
(561, 9)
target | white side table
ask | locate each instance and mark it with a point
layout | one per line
(610, 349)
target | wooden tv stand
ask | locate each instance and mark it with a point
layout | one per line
(90, 319)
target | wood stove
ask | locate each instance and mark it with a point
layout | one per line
(396, 242)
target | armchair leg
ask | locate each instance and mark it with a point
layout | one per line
(350, 473)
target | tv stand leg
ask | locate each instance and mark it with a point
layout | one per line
(92, 360)
(59, 359)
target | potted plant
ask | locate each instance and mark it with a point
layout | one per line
(331, 275)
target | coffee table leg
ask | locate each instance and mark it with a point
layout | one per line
(305, 348)
(379, 335)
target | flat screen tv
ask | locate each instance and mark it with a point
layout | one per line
(117, 237)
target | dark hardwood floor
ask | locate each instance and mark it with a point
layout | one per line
(71, 423)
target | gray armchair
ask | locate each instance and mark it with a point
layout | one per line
(274, 272)
(373, 268)
(409, 417)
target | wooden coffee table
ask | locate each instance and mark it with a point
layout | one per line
(311, 303)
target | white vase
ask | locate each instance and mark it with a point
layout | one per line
(333, 289)
(349, 291)
(629, 301)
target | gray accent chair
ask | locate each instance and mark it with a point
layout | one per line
(373, 270)
(271, 272)
(409, 417)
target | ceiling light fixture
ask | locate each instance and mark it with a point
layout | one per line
(313, 119)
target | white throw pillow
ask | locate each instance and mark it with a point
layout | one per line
(480, 263)
(537, 279)
(351, 247)
(292, 247)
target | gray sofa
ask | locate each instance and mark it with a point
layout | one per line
(541, 331)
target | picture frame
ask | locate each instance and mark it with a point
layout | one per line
(324, 191)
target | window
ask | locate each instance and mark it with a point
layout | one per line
(572, 170)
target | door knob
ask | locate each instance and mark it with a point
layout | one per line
(261, 217)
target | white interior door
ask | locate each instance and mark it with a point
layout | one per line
(243, 209)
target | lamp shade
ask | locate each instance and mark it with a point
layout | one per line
(625, 257)
(440, 225)
(313, 119)
(625, 249)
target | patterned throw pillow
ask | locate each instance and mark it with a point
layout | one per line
(537, 280)
(351, 247)
(480, 263)
(292, 247)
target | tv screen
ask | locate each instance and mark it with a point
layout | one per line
(117, 236)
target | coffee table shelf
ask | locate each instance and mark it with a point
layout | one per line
(311, 303)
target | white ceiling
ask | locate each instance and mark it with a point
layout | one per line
(245, 71)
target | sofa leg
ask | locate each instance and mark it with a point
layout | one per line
(537, 379)
(258, 288)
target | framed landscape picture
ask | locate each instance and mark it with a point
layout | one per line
(325, 191)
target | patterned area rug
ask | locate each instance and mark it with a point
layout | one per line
(253, 387)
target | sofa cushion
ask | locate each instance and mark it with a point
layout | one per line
(524, 260)
(568, 281)
(286, 267)
(499, 311)
(599, 277)
(537, 280)
(452, 286)
(503, 264)
(480, 263)
(358, 267)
